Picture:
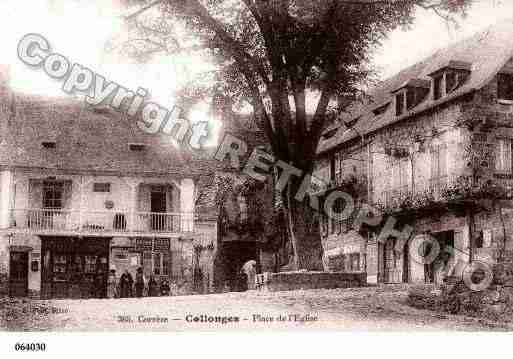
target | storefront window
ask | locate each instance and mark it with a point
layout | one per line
(355, 261)
(59, 267)
(165, 260)
(157, 263)
(90, 264)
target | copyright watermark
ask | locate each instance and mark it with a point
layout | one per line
(35, 51)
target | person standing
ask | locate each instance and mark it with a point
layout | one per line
(139, 283)
(112, 284)
(164, 288)
(152, 287)
(249, 269)
(125, 284)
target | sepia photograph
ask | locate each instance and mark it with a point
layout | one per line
(172, 167)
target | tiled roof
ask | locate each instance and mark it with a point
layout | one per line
(487, 52)
(86, 139)
(97, 139)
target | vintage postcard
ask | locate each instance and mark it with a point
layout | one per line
(235, 165)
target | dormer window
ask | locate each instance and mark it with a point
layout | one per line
(437, 87)
(329, 134)
(454, 79)
(450, 81)
(350, 123)
(410, 94)
(381, 109)
(505, 86)
(48, 144)
(399, 103)
(449, 77)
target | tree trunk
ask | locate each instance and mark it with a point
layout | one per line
(303, 231)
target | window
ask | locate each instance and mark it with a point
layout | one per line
(399, 103)
(101, 187)
(336, 263)
(48, 144)
(90, 264)
(329, 134)
(451, 81)
(411, 98)
(505, 87)
(338, 223)
(53, 194)
(157, 263)
(437, 87)
(165, 263)
(478, 240)
(439, 162)
(381, 110)
(337, 167)
(354, 262)
(400, 178)
(503, 155)
(160, 263)
(136, 147)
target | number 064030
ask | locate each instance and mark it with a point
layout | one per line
(30, 347)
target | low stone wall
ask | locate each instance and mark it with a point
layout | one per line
(494, 302)
(309, 280)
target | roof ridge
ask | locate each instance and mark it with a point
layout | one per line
(487, 50)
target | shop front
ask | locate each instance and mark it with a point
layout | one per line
(153, 255)
(74, 267)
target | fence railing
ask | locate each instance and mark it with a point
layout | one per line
(101, 221)
(434, 187)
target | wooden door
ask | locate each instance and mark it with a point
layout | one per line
(158, 205)
(18, 274)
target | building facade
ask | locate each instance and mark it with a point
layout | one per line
(431, 147)
(240, 209)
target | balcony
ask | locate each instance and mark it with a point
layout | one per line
(61, 221)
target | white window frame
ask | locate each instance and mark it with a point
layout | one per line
(503, 155)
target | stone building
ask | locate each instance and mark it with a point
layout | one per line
(83, 191)
(432, 147)
(238, 210)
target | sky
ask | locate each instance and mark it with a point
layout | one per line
(81, 31)
(430, 33)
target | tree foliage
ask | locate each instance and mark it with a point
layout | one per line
(296, 62)
(280, 56)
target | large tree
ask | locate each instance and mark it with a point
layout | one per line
(282, 57)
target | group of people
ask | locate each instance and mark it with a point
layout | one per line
(127, 287)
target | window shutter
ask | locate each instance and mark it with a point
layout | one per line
(507, 155)
(396, 175)
(442, 162)
(434, 163)
(405, 174)
(503, 160)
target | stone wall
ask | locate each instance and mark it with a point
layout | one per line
(309, 280)
(494, 302)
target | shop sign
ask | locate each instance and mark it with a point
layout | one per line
(352, 248)
(143, 244)
(334, 252)
(161, 244)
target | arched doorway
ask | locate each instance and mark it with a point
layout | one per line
(234, 254)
